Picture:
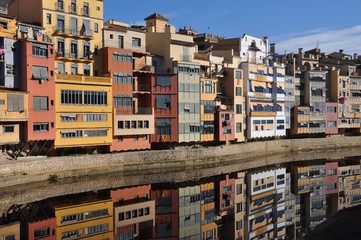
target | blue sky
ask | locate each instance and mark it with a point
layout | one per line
(332, 25)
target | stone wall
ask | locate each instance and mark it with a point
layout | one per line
(26, 170)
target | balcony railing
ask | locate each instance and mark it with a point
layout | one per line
(74, 56)
(75, 32)
(85, 11)
(164, 70)
(141, 88)
(186, 58)
(84, 79)
(143, 68)
(73, 8)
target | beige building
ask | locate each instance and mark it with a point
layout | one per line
(75, 27)
(10, 231)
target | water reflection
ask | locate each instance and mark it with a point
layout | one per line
(274, 202)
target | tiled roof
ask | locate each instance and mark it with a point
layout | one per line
(156, 16)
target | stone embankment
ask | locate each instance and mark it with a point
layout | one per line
(254, 154)
(71, 175)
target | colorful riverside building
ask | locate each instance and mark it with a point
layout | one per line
(266, 218)
(35, 61)
(10, 231)
(85, 217)
(209, 227)
(166, 212)
(83, 101)
(263, 86)
(13, 102)
(134, 213)
(174, 54)
(211, 70)
(123, 57)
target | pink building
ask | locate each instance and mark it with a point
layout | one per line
(36, 71)
(331, 118)
(225, 130)
(225, 198)
(331, 177)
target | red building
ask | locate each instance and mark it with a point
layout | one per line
(36, 71)
(43, 229)
(165, 99)
(331, 118)
(167, 213)
(133, 117)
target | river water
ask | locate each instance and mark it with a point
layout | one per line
(283, 199)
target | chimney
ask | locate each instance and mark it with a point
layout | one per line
(355, 56)
(272, 48)
(341, 51)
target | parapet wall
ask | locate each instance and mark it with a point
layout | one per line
(27, 170)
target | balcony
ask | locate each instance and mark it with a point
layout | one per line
(80, 79)
(186, 58)
(143, 68)
(141, 88)
(73, 57)
(73, 33)
(260, 94)
(85, 11)
(59, 6)
(165, 70)
(73, 8)
(258, 77)
(262, 114)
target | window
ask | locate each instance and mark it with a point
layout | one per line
(238, 91)
(122, 57)
(140, 124)
(239, 189)
(111, 36)
(71, 134)
(86, 9)
(48, 18)
(238, 75)
(163, 101)
(134, 124)
(15, 103)
(163, 81)
(146, 211)
(96, 213)
(95, 98)
(96, 27)
(9, 237)
(40, 51)
(120, 138)
(136, 138)
(331, 109)
(163, 126)
(239, 207)
(239, 127)
(8, 129)
(40, 73)
(123, 101)
(71, 97)
(146, 124)
(61, 51)
(60, 5)
(121, 216)
(74, 51)
(2, 101)
(121, 124)
(239, 108)
(41, 127)
(73, 7)
(208, 87)
(95, 133)
(331, 124)
(127, 124)
(44, 232)
(120, 41)
(136, 42)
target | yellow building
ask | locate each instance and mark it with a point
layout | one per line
(10, 231)
(84, 219)
(211, 70)
(209, 226)
(7, 26)
(83, 111)
(75, 27)
(13, 111)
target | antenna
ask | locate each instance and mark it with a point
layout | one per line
(317, 44)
